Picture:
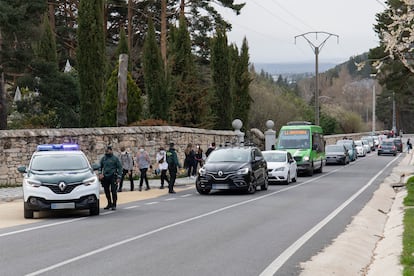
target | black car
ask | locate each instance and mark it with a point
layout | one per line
(387, 146)
(233, 168)
(336, 154)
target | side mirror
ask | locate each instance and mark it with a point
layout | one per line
(22, 169)
(95, 166)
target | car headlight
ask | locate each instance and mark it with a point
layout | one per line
(243, 171)
(89, 181)
(33, 183)
(281, 169)
(202, 172)
(306, 158)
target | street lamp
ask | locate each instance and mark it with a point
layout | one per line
(373, 104)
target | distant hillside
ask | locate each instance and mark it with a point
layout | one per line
(291, 68)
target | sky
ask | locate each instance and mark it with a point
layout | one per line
(270, 27)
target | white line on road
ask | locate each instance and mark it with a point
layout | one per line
(187, 195)
(282, 258)
(131, 207)
(170, 199)
(40, 227)
(152, 203)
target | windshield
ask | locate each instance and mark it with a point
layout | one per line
(63, 162)
(294, 139)
(230, 155)
(274, 156)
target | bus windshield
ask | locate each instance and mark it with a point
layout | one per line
(294, 139)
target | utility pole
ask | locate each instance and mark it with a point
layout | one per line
(316, 49)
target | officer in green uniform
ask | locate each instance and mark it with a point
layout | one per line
(110, 176)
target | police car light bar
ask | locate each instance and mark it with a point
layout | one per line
(51, 147)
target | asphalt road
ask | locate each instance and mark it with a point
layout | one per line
(270, 232)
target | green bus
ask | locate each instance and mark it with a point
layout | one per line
(306, 144)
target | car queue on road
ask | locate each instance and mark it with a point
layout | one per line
(52, 182)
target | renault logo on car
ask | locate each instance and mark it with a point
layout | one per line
(62, 186)
(220, 173)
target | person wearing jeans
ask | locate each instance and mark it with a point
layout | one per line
(143, 163)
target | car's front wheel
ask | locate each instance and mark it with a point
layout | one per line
(94, 211)
(265, 182)
(202, 191)
(28, 213)
(251, 187)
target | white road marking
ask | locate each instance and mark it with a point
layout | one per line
(187, 195)
(152, 203)
(170, 199)
(131, 207)
(282, 258)
(41, 227)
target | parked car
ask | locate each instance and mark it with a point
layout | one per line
(370, 140)
(58, 177)
(398, 143)
(350, 146)
(376, 140)
(233, 168)
(337, 154)
(361, 148)
(281, 166)
(366, 145)
(387, 146)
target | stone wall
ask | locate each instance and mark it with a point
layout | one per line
(17, 146)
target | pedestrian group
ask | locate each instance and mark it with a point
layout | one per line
(115, 169)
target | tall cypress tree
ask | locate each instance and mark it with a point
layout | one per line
(91, 61)
(47, 45)
(242, 80)
(154, 76)
(186, 93)
(222, 101)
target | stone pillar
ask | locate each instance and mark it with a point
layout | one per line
(237, 125)
(270, 135)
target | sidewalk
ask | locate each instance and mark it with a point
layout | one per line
(10, 194)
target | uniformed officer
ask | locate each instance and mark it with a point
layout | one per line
(110, 175)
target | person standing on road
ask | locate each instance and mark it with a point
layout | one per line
(409, 145)
(143, 164)
(210, 149)
(127, 167)
(173, 163)
(162, 166)
(190, 162)
(110, 175)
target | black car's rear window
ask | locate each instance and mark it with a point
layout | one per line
(61, 162)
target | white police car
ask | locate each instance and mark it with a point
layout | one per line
(59, 177)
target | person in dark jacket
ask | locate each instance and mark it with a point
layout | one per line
(110, 175)
(173, 163)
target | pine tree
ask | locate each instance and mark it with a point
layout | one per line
(91, 60)
(154, 76)
(222, 101)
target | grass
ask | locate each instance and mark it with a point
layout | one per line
(407, 257)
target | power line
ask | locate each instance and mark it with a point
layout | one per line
(294, 15)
